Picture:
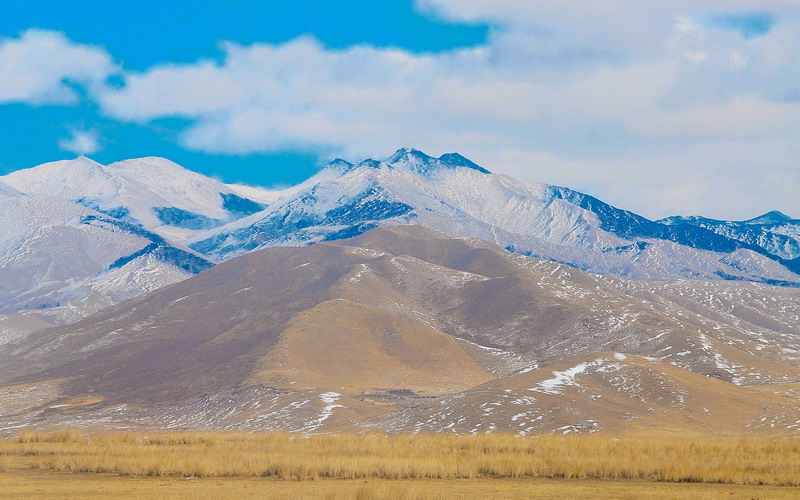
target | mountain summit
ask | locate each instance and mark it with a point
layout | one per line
(773, 217)
(155, 193)
(417, 161)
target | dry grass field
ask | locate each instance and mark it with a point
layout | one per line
(191, 465)
(37, 484)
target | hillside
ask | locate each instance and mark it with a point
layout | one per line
(407, 329)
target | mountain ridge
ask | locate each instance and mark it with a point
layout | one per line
(411, 187)
(190, 221)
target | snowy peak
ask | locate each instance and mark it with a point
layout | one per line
(773, 233)
(156, 193)
(417, 161)
(773, 217)
(408, 155)
(369, 163)
(339, 164)
(68, 179)
(154, 184)
(146, 163)
(456, 160)
(768, 219)
(685, 219)
(408, 159)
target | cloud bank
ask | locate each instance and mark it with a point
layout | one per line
(41, 67)
(660, 107)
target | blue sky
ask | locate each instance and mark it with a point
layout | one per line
(680, 107)
(175, 32)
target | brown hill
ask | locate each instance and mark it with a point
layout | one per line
(404, 329)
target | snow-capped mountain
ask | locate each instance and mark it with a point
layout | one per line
(78, 232)
(78, 236)
(457, 197)
(155, 193)
(775, 232)
(64, 260)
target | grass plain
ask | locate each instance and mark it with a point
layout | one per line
(69, 464)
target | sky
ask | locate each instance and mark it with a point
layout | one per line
(664, 108)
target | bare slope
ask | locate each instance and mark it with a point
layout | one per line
(405, 329)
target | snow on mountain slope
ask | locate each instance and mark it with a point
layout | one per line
(457, 200)
(8, 191)
(453, 195)
(160, 195)
(148, 203)
(773, 231)
(70, 260)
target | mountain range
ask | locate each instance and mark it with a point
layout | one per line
(157, 214)
(410, 294)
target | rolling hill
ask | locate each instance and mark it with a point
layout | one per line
(407, 329)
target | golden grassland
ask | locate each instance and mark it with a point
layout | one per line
(39, 484)
(422, 466)
(352, 456)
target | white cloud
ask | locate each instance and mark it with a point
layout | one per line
(81, 142)
(632, 27)
(38, 66)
